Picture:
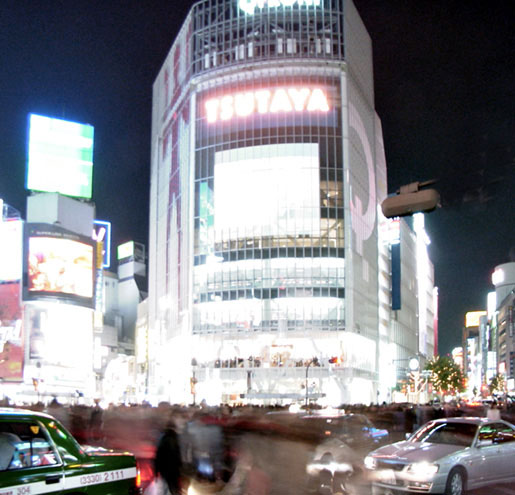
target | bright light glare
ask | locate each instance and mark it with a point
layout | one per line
(423, 468)
(498, 276)
(192, 490)
(315, 468)
(370, 462)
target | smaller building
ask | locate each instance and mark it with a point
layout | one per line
(503, 279)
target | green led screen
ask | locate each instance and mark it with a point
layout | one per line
(60, 156)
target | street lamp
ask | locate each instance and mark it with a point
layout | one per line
(414, 370)
(312, 361)
(414, 364)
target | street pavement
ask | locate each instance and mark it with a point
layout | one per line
(505, 489)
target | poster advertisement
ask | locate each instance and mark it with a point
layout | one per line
(11, 336)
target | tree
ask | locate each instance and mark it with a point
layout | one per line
(496, 385)
(446, 375)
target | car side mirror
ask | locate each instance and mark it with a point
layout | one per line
(407, 436)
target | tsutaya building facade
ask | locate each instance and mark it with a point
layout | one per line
(267, 245)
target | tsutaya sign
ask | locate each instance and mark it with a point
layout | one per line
(249, 6)
(266, 101)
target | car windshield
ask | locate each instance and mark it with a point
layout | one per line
(461, 434)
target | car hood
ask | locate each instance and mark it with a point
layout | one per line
(415, 451)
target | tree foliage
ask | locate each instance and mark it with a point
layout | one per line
(496, 385)
(446, 376)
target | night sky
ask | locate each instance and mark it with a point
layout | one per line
(444, 89)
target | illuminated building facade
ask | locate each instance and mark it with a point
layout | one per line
(503, 279)
(268, 254)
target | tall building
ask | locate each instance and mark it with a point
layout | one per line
(268, 253)
(503, 279)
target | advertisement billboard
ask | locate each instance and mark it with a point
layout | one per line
(11, 236)
(102, 233)
(60, 156)
(54, 332)
(58, 264)
(472, 318)
(11, 338)
(287, 175)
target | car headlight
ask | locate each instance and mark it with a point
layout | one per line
(423, 468)
(370, 462)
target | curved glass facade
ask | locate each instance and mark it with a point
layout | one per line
(267, 173)
(269, 236)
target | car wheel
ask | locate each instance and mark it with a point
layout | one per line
(455, 483)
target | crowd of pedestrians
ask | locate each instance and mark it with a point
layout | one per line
(239, 447)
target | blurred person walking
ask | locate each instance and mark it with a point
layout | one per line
(168, 461)
(96, 424)
(493, 412)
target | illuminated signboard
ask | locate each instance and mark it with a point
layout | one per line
(126, 250)
(60, 156)
(266, 101)
(472, 318)
(498, 276)
(11, 332)
(131, 250)
(58, 264)
(250, 6)
(102, 233)
(11, 236)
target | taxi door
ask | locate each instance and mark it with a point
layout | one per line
(28, 460)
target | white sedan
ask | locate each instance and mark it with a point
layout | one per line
(446, 456)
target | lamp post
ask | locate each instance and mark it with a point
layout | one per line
(193, 380)
(413, 366)
(311, 361)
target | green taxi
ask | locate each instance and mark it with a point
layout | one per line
(38, 455)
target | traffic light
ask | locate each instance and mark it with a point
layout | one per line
(410, 199)
(193, 382)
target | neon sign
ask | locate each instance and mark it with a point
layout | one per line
(249, 6)
(264, 101)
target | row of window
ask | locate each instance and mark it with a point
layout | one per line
(272, 128)
(330, 230)
(270, 326)
(224, 34)
(269, 293)
(248, 254)
(235, 281)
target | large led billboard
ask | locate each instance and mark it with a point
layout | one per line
(270, 190)
(58, 264)
(60, 156)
